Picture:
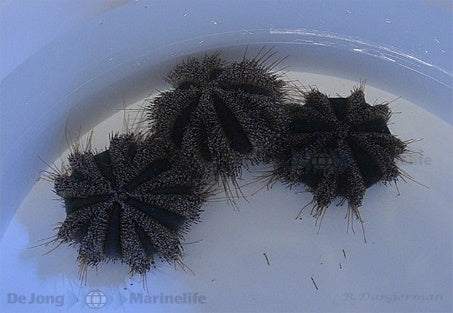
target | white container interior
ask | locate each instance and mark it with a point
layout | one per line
(403, 49)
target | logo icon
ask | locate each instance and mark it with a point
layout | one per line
(96, 299)
(322, 162)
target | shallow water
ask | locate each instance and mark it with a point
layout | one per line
(404, 266)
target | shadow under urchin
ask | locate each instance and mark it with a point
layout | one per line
(338, 147)
(132, 202)
(221, 114)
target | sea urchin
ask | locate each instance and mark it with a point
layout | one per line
(339, 147)
(130, 202)
(221, 114)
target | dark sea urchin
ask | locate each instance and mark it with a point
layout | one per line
(220, 114)
(131, 202)
(339, 147)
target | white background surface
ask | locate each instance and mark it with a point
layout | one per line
(26, 26)
(404, 267)
(403, 46)
(408, 257)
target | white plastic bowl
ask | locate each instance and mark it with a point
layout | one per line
(79, 79)
(76, 78)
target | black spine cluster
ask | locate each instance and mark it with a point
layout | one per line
(135, 200)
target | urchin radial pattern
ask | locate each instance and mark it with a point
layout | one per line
(220, 114)
(339, 147)
(130, 202)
